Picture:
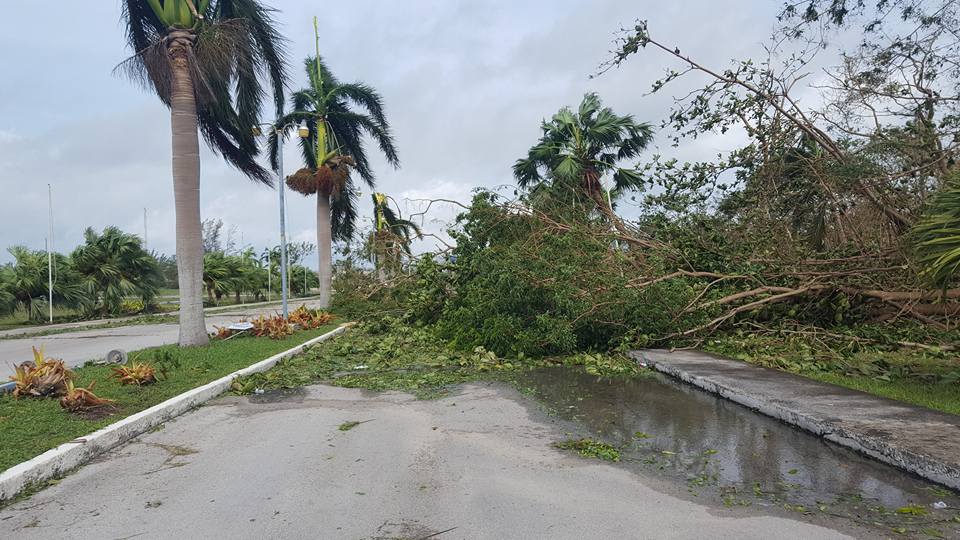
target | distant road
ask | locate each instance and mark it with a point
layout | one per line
(82, 345)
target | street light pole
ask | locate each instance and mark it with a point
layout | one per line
(50, 252)
(283, 225)
(302, 131)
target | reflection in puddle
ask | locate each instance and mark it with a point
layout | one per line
(719, 447)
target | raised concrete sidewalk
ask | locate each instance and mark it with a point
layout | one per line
(919, 440)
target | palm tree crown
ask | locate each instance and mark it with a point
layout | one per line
(389, 225)
(390, 237)
(338, 115)
(233, 43)
(577, 148)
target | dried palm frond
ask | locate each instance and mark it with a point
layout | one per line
(83, 399)
(44, 377)
(275, 327)
(138, 373)
(303, 181)
(309, 318)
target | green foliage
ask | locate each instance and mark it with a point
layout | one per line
(300, 276)
(576, 149)
(113, 265)
(24, 283)
(338, 115)
(607, 365)
(515, 285)
(347, 426)
(390, 238)
(383, 353)
(937, 235)
(591, 449)
(230, 33)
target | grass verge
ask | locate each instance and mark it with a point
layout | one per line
(29, 427)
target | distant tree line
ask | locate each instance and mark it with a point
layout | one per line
(112, 274)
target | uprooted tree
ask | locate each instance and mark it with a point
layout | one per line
(837, 217)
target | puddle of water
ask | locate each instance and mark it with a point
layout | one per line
(280, 395)
(741, 457)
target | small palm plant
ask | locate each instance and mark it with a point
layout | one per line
(113, 265)
(390, 238)
(24, 283)
(577, 149)
(937, 235)
(337, 116)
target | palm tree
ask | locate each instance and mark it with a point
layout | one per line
(112, 266)
(334, 150)
(391, 236)
(576, 149)
(205, 59)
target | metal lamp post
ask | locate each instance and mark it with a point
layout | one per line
(283, 212)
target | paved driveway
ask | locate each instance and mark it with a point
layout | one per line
(77, 347)
(475, 465)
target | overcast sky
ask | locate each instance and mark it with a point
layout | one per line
(466, 84)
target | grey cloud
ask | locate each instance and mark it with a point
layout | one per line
(466, 85)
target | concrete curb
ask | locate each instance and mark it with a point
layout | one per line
(74, 453)
(876, 447)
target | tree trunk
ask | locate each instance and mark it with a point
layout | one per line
(324, 248)
(186, 191)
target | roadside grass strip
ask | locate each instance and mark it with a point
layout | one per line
(54, 441)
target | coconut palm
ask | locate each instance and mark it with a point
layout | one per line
(207, 61)
(337, 116)
(390, 237)
(113, 265)
(577, 149)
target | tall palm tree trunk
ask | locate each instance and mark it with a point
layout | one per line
(324, 248)
(186, 190)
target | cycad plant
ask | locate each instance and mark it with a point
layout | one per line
(577, 149)
(390, 237)
(937, 235)
(207, 61)
(113, 265)
(337, 115)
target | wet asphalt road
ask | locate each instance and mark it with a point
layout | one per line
(478, 464)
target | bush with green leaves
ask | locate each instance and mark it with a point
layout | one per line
(112, 266)
(517, 283)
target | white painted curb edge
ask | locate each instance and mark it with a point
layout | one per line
(74, 453)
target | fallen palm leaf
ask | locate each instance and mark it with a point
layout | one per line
(138, 373)
(79, 399)
(44, 377)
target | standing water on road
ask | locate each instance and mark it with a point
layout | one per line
(723, 449)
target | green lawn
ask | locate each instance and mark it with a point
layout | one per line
(29, 427)
(20, 319)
